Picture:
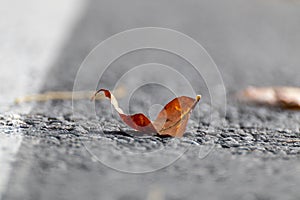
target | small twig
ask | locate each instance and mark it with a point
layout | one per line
(293, 141)
(65, 95)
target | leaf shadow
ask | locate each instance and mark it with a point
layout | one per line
(135, 134)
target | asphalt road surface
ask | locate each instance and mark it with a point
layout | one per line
(250, 153)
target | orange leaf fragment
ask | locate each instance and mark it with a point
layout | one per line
(286, 97)
(171, 120)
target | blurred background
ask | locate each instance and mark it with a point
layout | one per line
(42, 45)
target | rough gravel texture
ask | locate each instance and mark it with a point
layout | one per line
(246, 130)
(251, 153)
(232, 160)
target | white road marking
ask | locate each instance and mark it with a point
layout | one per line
(32, 34)
(9, 147)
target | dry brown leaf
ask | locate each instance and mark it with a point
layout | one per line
(286, 97)
(171, 120)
